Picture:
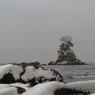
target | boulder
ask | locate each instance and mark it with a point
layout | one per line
(27, 73)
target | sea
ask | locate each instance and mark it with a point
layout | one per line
(73, 73)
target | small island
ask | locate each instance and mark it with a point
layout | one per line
(66, 56)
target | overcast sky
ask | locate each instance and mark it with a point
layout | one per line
(30, 30)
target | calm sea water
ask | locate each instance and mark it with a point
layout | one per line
(72, 73)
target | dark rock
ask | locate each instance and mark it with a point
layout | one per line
(20, 90)
(70, 92)
(43, 64)
(7, 78)
(34, 63)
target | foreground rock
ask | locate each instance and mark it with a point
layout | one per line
(59, 88)
(27, 73)
(13, 89)
(49, 88)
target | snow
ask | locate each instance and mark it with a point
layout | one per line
(5, 89)
(31, 72)
(45, 88)
(9, 91)
(92, 94)
(25, 86)
(2, 86)
(83, 86)
(50, 87)
(13, 69)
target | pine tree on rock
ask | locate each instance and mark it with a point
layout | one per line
(65, 54)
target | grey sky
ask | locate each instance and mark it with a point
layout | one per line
(30, 29)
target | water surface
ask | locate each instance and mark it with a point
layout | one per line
(72, 73)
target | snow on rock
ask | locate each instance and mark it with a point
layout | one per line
(9, 91)
(19, 86)
(45, 88)
(10, 73)
(25, 86)
(92, 94)
(86, 86)
(27, 73)
(50, 88)
(40, 74)
(59, 88)
(2, 86)
(12, 69)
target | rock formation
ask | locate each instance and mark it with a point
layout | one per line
(65, 55)
(27, 73)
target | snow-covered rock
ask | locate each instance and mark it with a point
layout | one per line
(45, 88)
(59, 88)
(50, 88)
(10, 73)
(2, 86)
(25, 86)
(40, 75)
(20, 88)
(33, 74)
(13, 89)
(86, 86)
(9, 91)
(92, 94)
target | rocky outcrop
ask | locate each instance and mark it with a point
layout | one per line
(65, 55)
(27, 73)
